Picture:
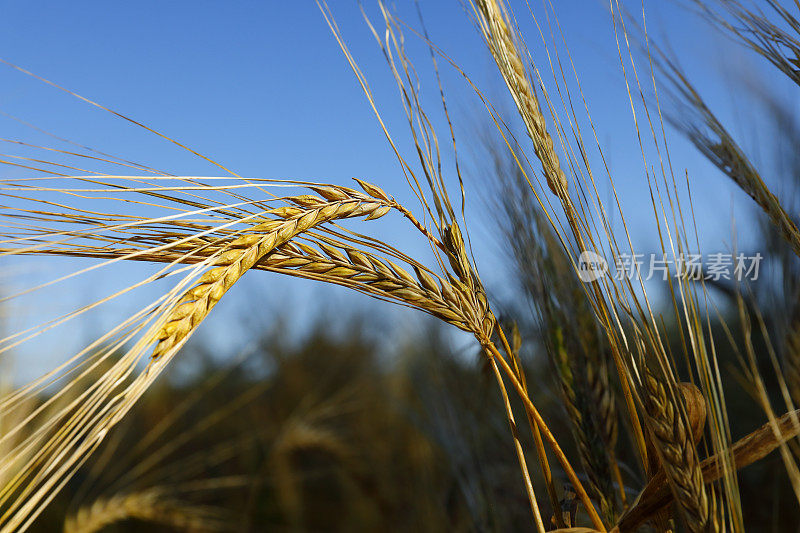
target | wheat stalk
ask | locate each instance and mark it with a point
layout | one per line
(499, 38)
(593, 448)
(502, 43)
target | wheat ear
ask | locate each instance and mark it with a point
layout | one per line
(746, 451)
(339, 264)
(604, 405)
(673, 440)
(297, 436)
(501, 41)
(714, 141)
(501, 44)
(246, 251)
(147, 506)
(362, 271)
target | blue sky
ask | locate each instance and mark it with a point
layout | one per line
(263, 88)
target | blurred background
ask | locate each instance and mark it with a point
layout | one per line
(374, 418)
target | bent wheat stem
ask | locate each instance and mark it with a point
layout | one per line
(537, 439)
(551, 440)
(518, 447)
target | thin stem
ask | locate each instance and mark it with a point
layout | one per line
(417, 224)
(551, 440)
(520, 454)
(537, 438)
(638, 432)
(620, 485)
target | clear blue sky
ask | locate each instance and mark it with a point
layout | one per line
(263, 88)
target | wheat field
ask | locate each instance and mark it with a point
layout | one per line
(600, 401)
